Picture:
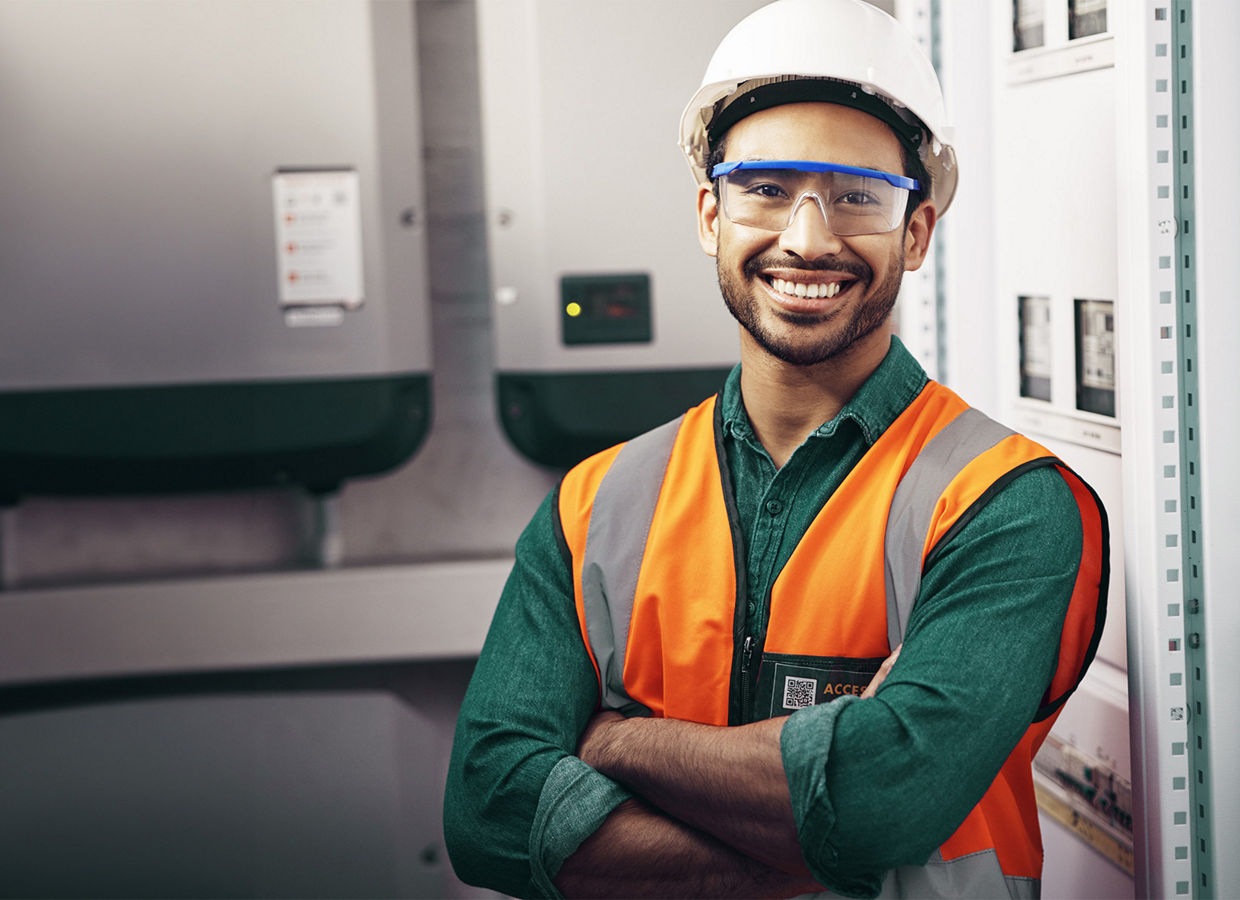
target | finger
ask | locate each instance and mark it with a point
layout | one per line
(881, 675)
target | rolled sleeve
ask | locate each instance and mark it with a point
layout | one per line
(804, 744)
(574, 802)
(512, 779)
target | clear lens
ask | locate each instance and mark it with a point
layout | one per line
(851, 204)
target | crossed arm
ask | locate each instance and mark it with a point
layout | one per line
(639, 852)
(721, 835)
(717, 815)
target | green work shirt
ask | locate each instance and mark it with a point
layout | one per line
(875, 784)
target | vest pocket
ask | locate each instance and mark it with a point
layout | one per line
(787, 683)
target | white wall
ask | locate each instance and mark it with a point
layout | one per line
(1035, 214)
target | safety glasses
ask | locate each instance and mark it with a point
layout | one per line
(768, 193)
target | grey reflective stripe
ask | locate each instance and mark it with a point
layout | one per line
(615, 543)
(1023, 888)
(976, 875)
(908, 522)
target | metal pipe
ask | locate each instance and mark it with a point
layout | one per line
(328, 540)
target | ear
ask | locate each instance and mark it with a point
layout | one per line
(708, 219)
(917, 236)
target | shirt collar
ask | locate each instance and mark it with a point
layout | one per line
(885, 394)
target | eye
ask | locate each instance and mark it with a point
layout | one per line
(765, 189)
(857, 198)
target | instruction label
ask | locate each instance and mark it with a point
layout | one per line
(1097, 337)
(1035, 337)
(1028, 24)
(318, 237)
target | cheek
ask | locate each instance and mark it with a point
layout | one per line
(736, 245)
(882, 253)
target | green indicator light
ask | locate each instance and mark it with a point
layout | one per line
(573, 309)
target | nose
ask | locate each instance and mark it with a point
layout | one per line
(808, 235)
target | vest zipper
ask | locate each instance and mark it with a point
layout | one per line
(746, 692)
(754, 642)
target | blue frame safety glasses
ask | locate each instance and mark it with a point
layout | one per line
(767, 194)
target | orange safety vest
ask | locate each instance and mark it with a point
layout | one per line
(661, 607)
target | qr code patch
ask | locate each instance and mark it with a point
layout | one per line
(799, 692)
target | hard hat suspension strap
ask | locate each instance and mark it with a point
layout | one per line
(810, 90)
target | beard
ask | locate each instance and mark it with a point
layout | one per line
(853, 322)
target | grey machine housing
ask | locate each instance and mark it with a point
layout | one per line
(145, 343)
(607, 316)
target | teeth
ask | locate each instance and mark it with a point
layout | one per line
(809, 291)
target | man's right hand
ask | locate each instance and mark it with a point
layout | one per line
(881, 675)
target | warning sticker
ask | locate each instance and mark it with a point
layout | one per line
(318, 237)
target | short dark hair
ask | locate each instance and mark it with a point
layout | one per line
(910, 159)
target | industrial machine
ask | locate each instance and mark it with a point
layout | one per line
(607, 316)
(213, 261)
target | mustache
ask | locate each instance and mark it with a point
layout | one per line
(754, 266)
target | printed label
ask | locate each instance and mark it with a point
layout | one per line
(787, 683)
(318, 238)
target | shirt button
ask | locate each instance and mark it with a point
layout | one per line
(752, 608)
(774, 507)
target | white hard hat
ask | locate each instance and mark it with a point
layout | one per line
(840, 51)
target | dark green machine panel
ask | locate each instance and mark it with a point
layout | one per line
(605, 309)
(558, 419)
(315, 433)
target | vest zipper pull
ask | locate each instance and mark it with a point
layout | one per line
(746, 701)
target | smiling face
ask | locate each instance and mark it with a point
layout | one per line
(806, 295)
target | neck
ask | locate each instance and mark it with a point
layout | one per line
(786, 402)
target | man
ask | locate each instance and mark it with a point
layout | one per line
(810, 635)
